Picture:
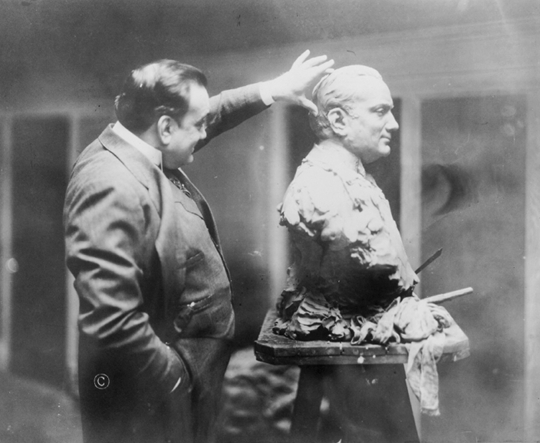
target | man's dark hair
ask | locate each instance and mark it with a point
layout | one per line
(158, 88)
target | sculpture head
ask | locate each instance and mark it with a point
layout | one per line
(355, 111)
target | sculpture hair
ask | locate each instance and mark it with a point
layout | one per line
(336, 90)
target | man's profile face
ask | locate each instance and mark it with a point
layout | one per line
(189, 130)
(370, 122)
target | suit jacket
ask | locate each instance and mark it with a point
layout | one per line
(155, 302)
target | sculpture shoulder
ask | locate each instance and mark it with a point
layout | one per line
(321, 188)
(313, 190)
(316, 202)
(337, 205)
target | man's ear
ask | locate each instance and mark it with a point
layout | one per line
(165, 127)
(336, 118)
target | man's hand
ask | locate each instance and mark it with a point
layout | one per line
(291, 86)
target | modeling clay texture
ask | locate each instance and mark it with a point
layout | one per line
(347, 245)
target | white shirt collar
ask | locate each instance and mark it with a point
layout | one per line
(153, 154)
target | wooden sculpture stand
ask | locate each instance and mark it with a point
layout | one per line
(364, 384)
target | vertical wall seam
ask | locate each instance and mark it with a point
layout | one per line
(411, 201)
(6, 241)
(72, 305)
(532, 271)
(278, 167)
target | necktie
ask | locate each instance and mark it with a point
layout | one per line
(176, 182)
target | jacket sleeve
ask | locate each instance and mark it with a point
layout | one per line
(230, 108)
(106, 250)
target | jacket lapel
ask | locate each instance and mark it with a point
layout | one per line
(203, 206)
(168, 246)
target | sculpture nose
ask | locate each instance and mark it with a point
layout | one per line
(392, 124)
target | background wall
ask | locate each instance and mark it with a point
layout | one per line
(473, 155)
(461, 71)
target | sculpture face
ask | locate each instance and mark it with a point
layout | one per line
(368, 123)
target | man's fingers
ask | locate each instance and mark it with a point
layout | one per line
(309, 105)
(315, 61)
(301, 59)
(318, 72)
(324, 67)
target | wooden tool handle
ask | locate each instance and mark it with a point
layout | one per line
(441, 298)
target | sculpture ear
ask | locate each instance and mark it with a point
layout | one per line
(336, 118)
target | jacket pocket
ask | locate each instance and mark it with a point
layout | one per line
(210, 317)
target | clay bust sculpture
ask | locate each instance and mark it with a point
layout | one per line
(347, 246)
(351, 279)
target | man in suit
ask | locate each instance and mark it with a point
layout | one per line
(155, 315)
